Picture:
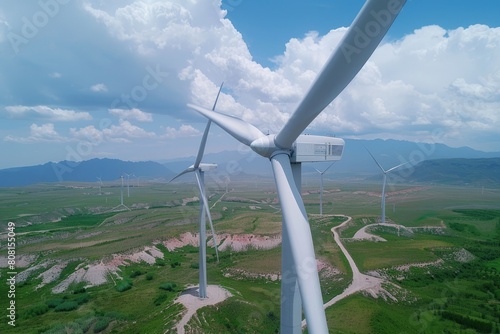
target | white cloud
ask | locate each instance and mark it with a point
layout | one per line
(183, 132)
(133, 114)
(38, 133)
(45, 112)
(127, 130)
(432, 79)
(98, 88)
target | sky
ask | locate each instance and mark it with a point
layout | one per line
(82, 79)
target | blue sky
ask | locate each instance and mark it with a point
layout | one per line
(87, 78)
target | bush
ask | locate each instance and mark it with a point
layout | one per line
(101, 324)
(175, 264)
(66, 306)
(82, 299)
(149, 277)
(195, 265)
(160, 262)
(160, 299)
(79, 290)
(136, 274)
(123, 286)
(53, 303)
(168, 286)
(35, 310)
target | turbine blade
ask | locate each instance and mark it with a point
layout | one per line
(302, 250)
(379, 166)
(185, 171)
(203, 143)
(329, 167)
(203, 196)
(357, 45)
(393, 168)
(244, 132)
(217, 98)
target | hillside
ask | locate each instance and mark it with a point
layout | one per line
(355, 163)
(477, 172)
(84, 171)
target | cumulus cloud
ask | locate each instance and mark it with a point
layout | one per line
(432, 79)
(45, 112)
(133, 114)
(183, 132)
(98, 88)
(38, 133)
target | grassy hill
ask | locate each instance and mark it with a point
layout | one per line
(477, 172)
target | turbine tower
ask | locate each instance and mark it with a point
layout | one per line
(288, 149)
(199, 169)
(128, 184)
(321, 173)
(121, 198)
(384, 182)
(100, 185)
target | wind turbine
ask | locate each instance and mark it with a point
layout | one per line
(321, 187)
(384, 182)
(128, 184)
(100, 185)
(121, 198)
(286, 150)
(199, 169)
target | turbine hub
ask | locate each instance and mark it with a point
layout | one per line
(265, 146)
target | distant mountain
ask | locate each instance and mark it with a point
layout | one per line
(84, 171)
(477, 172)
(355, 163)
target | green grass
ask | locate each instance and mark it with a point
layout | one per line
(446, 295)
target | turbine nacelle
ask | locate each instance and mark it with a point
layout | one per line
(306, 148)
(207, 167)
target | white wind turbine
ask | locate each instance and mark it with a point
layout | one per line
(121, 198)
(100, 185)
(384, 182)
(321, 173)
(286, 150)
(199, 169)
(128, 184)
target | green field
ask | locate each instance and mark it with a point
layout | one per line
(447, 270)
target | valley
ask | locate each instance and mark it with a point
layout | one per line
(85, 266)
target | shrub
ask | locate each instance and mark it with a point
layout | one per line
(82, 299)
(66, 306)
(149, 277)
(160, 299)
(101, 324)
(168, 286)
(195, 265)
(160, 262)
(136, 274)
(36, 310)
(52, 303)
(123, 286)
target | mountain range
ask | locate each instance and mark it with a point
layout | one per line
(423, 162)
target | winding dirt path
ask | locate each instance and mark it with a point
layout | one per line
(360, 282)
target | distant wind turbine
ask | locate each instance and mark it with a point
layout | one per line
(384, 182)
(321, 187)
(128, 184)
(199, 169)
(121, 198)
(287, 149)
(100, 185)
